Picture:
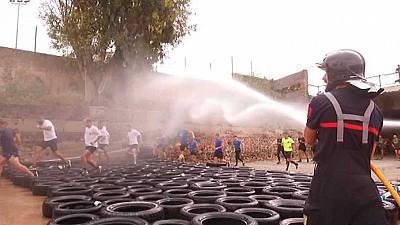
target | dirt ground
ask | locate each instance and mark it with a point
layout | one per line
(18, 206)
(390, 167)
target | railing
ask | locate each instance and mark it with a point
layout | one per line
(383, 80)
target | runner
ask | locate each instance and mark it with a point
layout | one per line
(92, 136)
(49, 141)
(287, 143)
(9, 142)
(396, 145)
(104, 141)
(162, 146)
(302, 148)
(279, 150)
(218, 153)
(238, 149)
(193, 150)
(380, 147)
(134, 138)
(184, 136)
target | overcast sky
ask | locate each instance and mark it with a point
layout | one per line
(279, 36)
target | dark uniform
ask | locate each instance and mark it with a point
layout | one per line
(342, 190)
(279, 149)
(7, 142)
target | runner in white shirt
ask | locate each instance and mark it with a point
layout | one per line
(92, 136)
(49, 141)
(134, 138)
(104, 141)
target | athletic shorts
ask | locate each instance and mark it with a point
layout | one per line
(288, 155)
(134, 146)
(52, 144)
(183, 146)
(9, 154)
(302, 148)
(102, 146)
(91, 149)
(219, 154)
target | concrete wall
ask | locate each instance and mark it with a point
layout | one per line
(27, 77)
(293, 88)
(35, 84)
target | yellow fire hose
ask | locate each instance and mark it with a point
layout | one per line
(387, 184)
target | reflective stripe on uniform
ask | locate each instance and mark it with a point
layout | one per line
(341, 125)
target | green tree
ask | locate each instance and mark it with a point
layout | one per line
(108, 37)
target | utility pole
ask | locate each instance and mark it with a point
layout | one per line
(232, 66)
(251, 67)
(185, 63)
(18, 3)
(34, 48)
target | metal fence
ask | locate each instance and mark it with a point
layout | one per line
(383, 80)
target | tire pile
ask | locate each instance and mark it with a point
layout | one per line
(169, 193)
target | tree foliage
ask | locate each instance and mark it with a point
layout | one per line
(121, 33)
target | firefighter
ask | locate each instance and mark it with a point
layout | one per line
(347, 123)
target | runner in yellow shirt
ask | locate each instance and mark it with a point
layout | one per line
(287, 143)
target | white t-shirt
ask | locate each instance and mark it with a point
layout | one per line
(91, 135)
(133, 137)
(48, 135)
(105, 136)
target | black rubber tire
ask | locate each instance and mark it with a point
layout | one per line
(151, 198)
(90, 207)
(287, 208)
(103, 196)
(116, 200)
(239, 191)
(70, 191)
(134, 193)
(49, 204)
(41, 188)
(191, 211)
(110, 180)
(206, 196)
(136, 186)
(292, 221)
(98, 185)
(261, 215)
(79, 219)
(172, 206)
(171, 185)
(223, 218)
(208, 185)
(148, 211)
(391, 212)
(256, 186)
(86, 181)
(177, 193)
(172, 222)
(264, 198)
(284, 192)
(198, 179)
(232, 182)
(232, 203)
(22, 180)
(120, 221)
(302, 195)
(155, 181)
(111, 188)
(211, 164)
